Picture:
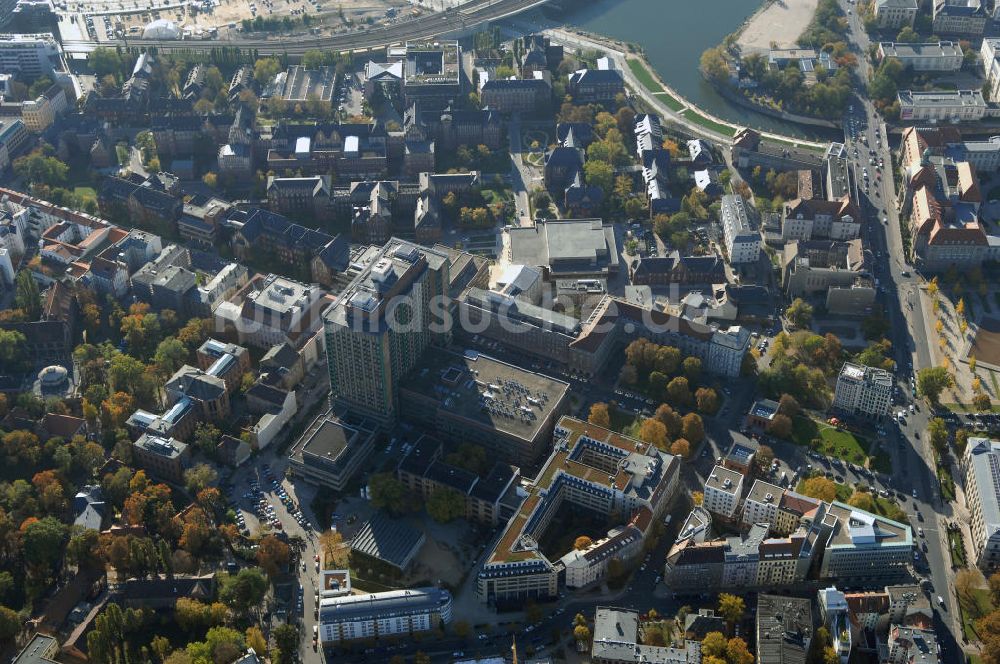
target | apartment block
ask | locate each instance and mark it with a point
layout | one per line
(742, 241)
(723, 491)
(863, 390)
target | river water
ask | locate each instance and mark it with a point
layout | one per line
(673, 34)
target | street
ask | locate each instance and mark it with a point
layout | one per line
(912, 461)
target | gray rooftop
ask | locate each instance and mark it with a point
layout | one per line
(42, 649)
(388, 540)
(565, 245)
(784, 629)
(165, 447)
(382, 605)
(983, 464)
(487, 391)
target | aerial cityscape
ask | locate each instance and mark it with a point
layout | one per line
(500, 331)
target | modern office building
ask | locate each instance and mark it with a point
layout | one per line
(29, 55)
(742, 241)
(982, 494)
(863, 390)
(723, 491)
(387, 614)
(613, 475)
(473, 398)
(330, 451)
(382, 323)
(425, 471)
(863, 547)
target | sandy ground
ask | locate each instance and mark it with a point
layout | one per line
(781, 23)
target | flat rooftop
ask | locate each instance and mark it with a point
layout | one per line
(487, 391)
(432, 63)
(725, 480)
(860, 529)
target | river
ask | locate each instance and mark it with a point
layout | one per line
(673, 34)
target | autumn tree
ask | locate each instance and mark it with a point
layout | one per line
(681, 448)
(780, 426)
(692, 428)
(707, 400)
(653, 432)
(273, 555)
(819, 488)
(582, 542)
(731, 607)
(600, 415)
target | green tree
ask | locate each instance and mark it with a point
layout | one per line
(692, 368)
(599, 174)
(445, 505)
(714, 65)
(242, 590)
(799, 313)
(937, 432)
(932, 381)
(10, 624)
(26, 295)
(170, 356)
(265, 69)
(37, 168)
(13, 353)
(388, 493)
(43, 542)
(199, 477)
(104, 61)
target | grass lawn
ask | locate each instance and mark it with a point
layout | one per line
(86, 193)
(889, 509)
(624, 422)
(972, 609)
(946, 482)
(831, 441)
(671, 102)
(642, 74)
(957, 548)
(698, 118)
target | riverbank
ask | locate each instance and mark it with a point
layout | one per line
(738, 98)
(777, 24)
